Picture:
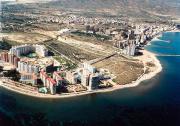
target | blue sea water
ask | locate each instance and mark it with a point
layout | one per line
(155, 102)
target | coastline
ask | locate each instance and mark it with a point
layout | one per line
(146, 57)
(156, 37)
(174, 31)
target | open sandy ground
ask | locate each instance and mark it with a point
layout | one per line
(23, 38)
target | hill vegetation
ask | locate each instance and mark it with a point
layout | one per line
(165, 7)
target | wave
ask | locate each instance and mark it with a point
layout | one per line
(157, 39)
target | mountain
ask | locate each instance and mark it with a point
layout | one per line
(132, 8)
(165, 7)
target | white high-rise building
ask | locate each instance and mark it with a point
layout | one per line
(41, 50)
(24, 49)
(28, 68)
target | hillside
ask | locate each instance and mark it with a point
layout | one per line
(148, 9)
(168, 7)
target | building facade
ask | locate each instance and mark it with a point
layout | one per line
(48, 82)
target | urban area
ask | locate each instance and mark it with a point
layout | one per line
(54, 52)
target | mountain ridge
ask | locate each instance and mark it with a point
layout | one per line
(157, 6)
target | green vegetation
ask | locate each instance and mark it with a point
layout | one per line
(13, 74)
(69, 65)
(60, 59)
(73, 53)
(30, 55)
(1, 68)
(63, 75)
(5, 45)
(50, 75)
(114, 80)
(97, 36)
(11, 43)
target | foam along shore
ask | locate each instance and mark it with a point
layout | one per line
(156, 38)
(176, 30)
(146, 57)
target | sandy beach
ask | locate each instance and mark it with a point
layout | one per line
(146, 57)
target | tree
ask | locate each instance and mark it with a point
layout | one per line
(13, 74)
(1, 68)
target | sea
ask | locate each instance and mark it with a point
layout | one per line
(155, 102)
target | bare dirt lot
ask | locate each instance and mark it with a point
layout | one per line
(125, 70)
(94, 48)
(52, 34)
(23, 38)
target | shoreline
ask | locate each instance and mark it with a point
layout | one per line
(147, 55)
(174, 31)
(156, 37)
(143, 77)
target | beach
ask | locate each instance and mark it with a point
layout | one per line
(146, 57)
